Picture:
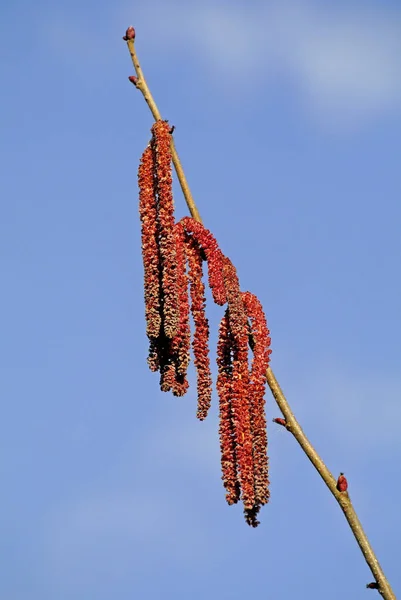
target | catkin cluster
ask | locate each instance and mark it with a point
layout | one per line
(174, 254)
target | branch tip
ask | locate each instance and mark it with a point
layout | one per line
(129, 34)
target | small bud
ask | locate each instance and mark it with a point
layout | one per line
(133, 79)
(373, 585)
(280, 421)
(342, 483)
(129, 34)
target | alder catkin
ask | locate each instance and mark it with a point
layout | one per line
(200, 343)
(165, 214)
(259, 333)
(226, 423)
(150, 249)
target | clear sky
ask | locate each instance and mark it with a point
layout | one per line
(288, 122)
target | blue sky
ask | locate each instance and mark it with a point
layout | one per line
(288, 122)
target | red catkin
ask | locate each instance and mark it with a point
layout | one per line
(200, 344)
(240, 384)
(174, 354)
(213, 255)
(242, 424)
(163, 180)
(182, 340)
(259, 334)
(150, 251)
(226, 424)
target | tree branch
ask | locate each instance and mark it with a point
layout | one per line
(291, 423)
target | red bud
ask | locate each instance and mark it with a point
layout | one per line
(133, 79)
(129, 34)
(280, 421)
(373, 585)
(342, 483)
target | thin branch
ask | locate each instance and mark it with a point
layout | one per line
(141, 84)
(291, 422)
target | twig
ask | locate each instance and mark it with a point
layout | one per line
(141, 84)
(291, 422)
